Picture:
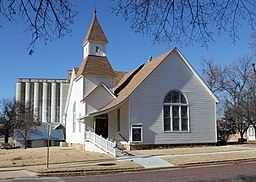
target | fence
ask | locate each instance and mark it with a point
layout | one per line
(105, 144)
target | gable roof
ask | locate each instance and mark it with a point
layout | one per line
(95, 65)
(96, 88)
(131, 81)
(144, 71)
(95, 32)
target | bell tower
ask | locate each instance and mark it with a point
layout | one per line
(95, 41)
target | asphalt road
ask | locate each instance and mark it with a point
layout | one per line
(231, 172)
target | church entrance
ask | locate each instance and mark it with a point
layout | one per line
(101, 127)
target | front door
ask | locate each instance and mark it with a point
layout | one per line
(102, 127)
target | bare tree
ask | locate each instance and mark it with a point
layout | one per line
(7, 118)
(235, 87)
(187, 21)
(26, 122)
(214, 76)
(46, 19)
(252, 44)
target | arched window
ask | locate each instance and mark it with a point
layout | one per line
(74, 117)
(176, 112)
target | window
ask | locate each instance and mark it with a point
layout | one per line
(137, 132)
(118, 120)
(97, 49)
(176, 112)
(74, 117)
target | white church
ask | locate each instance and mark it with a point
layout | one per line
(161, 102)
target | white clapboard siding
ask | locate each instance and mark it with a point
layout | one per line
(75, 96)
(146, 105)
(99, 98)
(91, 82)
(124, 125)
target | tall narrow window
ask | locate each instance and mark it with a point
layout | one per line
(118, 120)
(97, 49)
(74, 117)
(176, 112)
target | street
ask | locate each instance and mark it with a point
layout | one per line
(230, 172)
(237, 172)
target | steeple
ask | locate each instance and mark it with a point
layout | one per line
(95, 32)
(95, 41)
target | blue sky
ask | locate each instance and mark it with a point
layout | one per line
(126, 49)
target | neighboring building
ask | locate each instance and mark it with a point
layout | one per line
(39, 138)
(46, 96)
(162, 102)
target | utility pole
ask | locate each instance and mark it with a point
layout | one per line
(48, 145)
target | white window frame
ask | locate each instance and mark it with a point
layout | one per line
(137, 126)
(180, 118)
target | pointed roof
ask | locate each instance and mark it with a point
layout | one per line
(95, 32)
(96, 65)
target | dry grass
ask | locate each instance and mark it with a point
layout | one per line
(87, 167)
(190, 150)
(211, 158)
(69, 159)
(37, 156)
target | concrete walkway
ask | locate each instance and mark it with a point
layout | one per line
(147, 161)
(157, 161)
(8, 174)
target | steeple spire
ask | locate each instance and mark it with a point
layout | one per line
(95, 11)
(95, 32)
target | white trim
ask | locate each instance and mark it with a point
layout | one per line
(197, 75)
(100, 85)
(180, 105)
(69, 91)
(137, 127)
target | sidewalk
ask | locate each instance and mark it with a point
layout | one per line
(142, 160)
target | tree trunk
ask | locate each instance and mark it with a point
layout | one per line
(25, 143)
(6, 137)
(242, 137)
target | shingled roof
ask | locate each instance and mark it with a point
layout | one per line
(135, 77)
(95, 32)
(96, 65)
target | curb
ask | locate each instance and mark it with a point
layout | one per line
(112, 171)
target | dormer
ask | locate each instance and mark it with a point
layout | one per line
(95, 41)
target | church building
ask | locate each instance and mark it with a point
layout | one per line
(161, 102)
